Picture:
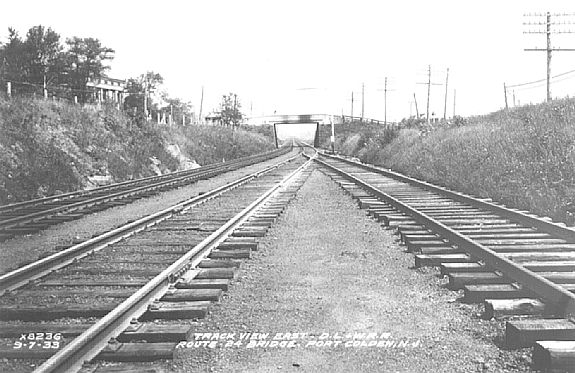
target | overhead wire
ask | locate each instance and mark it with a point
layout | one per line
(540, 80)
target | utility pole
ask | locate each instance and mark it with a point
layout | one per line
(234, 117)
(332, 138)
(445, 103)
(505, 93)
(362, 100)
(385, 90)
(352, 106)
(146, 83)
(548, 31)
(416, 109)
(385, 103)
(201, 105)
(146, 101)
(428, 91)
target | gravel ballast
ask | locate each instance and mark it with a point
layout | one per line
(329, 273)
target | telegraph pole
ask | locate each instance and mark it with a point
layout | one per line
(234, 123)
(445, 102)
(201, 105)
(416, 109)
(385, 103)
(352, 106)
(385, 90)
(428, 90)
(505, 93)
(146, 99)
(362, 100)
(548, 31)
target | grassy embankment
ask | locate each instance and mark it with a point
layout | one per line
(524, 157)
(49, 147)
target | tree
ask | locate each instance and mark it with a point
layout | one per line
(85, 60)
(230, 110)
(32, 62)
(139, 90)
(43, 54)
(177, 108)
(12, 58)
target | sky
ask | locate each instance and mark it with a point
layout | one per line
(307, 57)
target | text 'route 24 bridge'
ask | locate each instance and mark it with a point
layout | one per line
(318, 126)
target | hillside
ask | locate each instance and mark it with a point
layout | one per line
(51, 147)
(524, 157)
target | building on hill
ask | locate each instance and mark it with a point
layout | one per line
(107, 89)
(214, 118)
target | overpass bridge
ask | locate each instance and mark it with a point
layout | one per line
(297, 118)
(319, 120)
(313, 119)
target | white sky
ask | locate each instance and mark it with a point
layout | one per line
(268, 51)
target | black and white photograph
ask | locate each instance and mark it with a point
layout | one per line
(261, 186)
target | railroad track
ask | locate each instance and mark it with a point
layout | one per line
(139, 284)
(515, 263)
(32, 216)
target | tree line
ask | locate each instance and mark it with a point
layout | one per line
(40, 60)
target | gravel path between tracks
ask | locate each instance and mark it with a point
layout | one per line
(21, 250)
(325, 267)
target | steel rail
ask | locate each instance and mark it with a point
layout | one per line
(556, 229)
(36, 216)
(24, 220)
(86, 193)
(19, 220)
(92, 341)
(40, 268)
(561, 302)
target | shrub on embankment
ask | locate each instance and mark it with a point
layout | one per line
(360, 139)
(51, 147)
(211, 144)
(524, 157)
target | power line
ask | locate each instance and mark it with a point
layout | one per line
(540, 80)
(542, 84)
(548, 33)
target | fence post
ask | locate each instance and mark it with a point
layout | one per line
(9, 89)
(183, 119)
(76, 100)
